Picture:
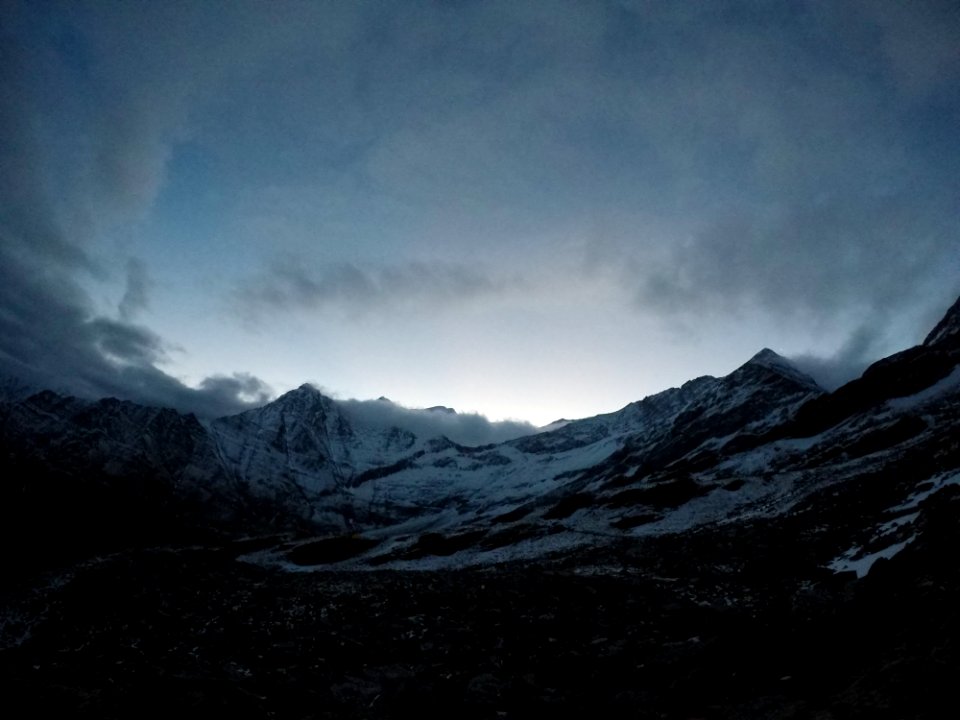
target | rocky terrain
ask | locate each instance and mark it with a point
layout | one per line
(740, 547)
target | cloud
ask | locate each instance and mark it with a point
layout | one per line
(801, 171)
(813, 259)
(51, 338)
(466, 429)
(135, 296)
(123, 343)
(224, 393)
(70, 169)
(30, 217)
(799, 161)
(861, 348)
(292, 284)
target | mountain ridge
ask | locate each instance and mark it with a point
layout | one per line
(307, 462)
(741, 546)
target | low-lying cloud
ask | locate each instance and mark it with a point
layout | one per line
(857, 353)
(468, 429)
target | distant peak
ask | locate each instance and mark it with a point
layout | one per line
(442, 409)
(304, 393)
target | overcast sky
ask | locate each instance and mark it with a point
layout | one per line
(526, 210)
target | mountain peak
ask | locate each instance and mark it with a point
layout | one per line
(768, 357)
(770, 360)
(306, 393)
(948, 327)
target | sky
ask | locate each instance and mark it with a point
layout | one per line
(524, 210)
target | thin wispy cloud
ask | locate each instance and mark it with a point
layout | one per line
(294, 286)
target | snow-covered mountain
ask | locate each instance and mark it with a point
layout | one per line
(744, 546)
(758, 441)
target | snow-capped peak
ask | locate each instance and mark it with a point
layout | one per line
(771, 360)
(304, 396)
(767, 357)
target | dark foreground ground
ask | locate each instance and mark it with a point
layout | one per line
(733, 623)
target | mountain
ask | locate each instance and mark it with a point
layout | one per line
(313, 463)
(712, 450)
(742, 546)
(686, 456)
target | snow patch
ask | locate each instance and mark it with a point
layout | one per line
(948, 384)
(937, 483)
(861, 565)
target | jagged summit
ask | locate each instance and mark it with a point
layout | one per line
(304, 393)
(766, 357)
(301, 402)
(770, 360)
(948, 327)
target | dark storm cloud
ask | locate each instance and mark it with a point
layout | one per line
(29, 215)
(124, 343)
(51, 339)
(294, 285)
(464, 428)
